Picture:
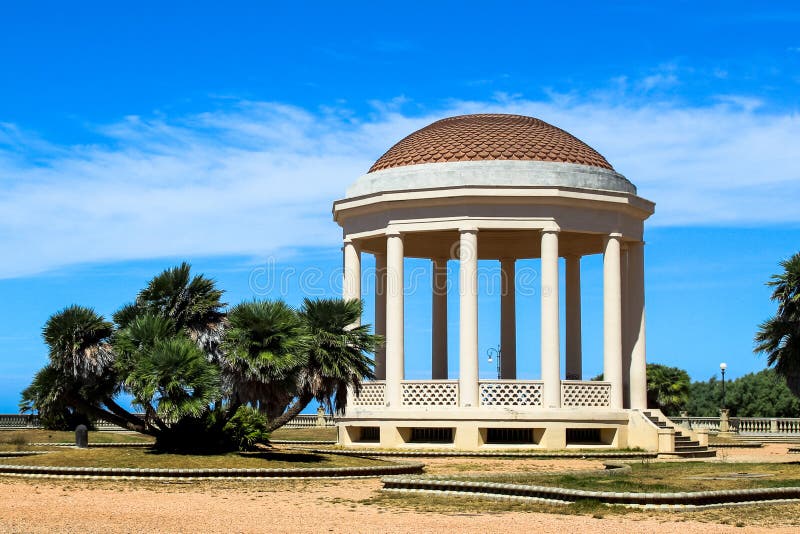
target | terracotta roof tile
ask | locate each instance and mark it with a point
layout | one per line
(489, 137)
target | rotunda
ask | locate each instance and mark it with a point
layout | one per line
(505, 188)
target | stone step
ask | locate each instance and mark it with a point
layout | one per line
(691, 448)
(690, 454)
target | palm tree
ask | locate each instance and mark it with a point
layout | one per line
(337, 355)
(667, 388)
(264, 349)
(172, 380)
(167, 374)
(81, 373)
(192, 303)
(77, 338)
(779, 336)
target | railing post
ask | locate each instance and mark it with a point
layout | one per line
(773, 425)
(320, 416)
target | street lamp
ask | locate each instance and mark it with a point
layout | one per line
(722, 368)
(497, 353)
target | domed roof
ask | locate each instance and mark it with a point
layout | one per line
(489, 137)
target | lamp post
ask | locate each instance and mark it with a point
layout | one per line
(497, 353)
(722, 368)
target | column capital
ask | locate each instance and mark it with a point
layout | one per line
(550, 227)
(468, 229)
(614, 235)
(393, 232)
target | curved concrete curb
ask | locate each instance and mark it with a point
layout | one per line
(487, 454)
(556, 495)
(113, 444)
(127, 473)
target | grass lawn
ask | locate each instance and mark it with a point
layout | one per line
(666, 477)
(305, 434)
(18, 439)
(146, 458)
(652, 477)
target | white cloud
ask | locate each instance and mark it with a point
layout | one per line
(260, 177)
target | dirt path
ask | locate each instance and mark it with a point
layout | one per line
(272, 506)
(322, 506)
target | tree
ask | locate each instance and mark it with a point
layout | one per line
(265, 347)
(779, 336)
(81, 375)
(192, 303)
(667, 388)
(762, 394)
(203, 378)
(336, 353)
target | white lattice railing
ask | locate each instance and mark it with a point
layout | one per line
(430, 392)
(371, 394)
(582, 393)
(510, 392)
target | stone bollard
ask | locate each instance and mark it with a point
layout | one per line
(320, 416)
(685, 423)
(82, 437)
(666, 440)
(702, 436)
(724, 423)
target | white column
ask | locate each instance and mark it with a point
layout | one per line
(351, 289)
(551, 352)
(508, 319)
(439, 320)
(638, 370)
(380, 314)
(573, 308)
(627, 340)
(612, 318)
(468, 320)
(395, 364)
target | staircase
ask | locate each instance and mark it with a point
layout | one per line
(685, 447)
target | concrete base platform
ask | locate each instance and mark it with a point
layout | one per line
(487, 428)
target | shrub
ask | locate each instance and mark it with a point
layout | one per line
(246, 428)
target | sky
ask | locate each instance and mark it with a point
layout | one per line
(134, 136)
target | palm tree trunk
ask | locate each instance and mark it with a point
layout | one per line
(119, 411)
(150, 413)
(290, 413)
(99, 413)
(793, 381)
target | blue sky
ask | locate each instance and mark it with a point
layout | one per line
(134, 136)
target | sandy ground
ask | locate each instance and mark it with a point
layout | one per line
(308, 506)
